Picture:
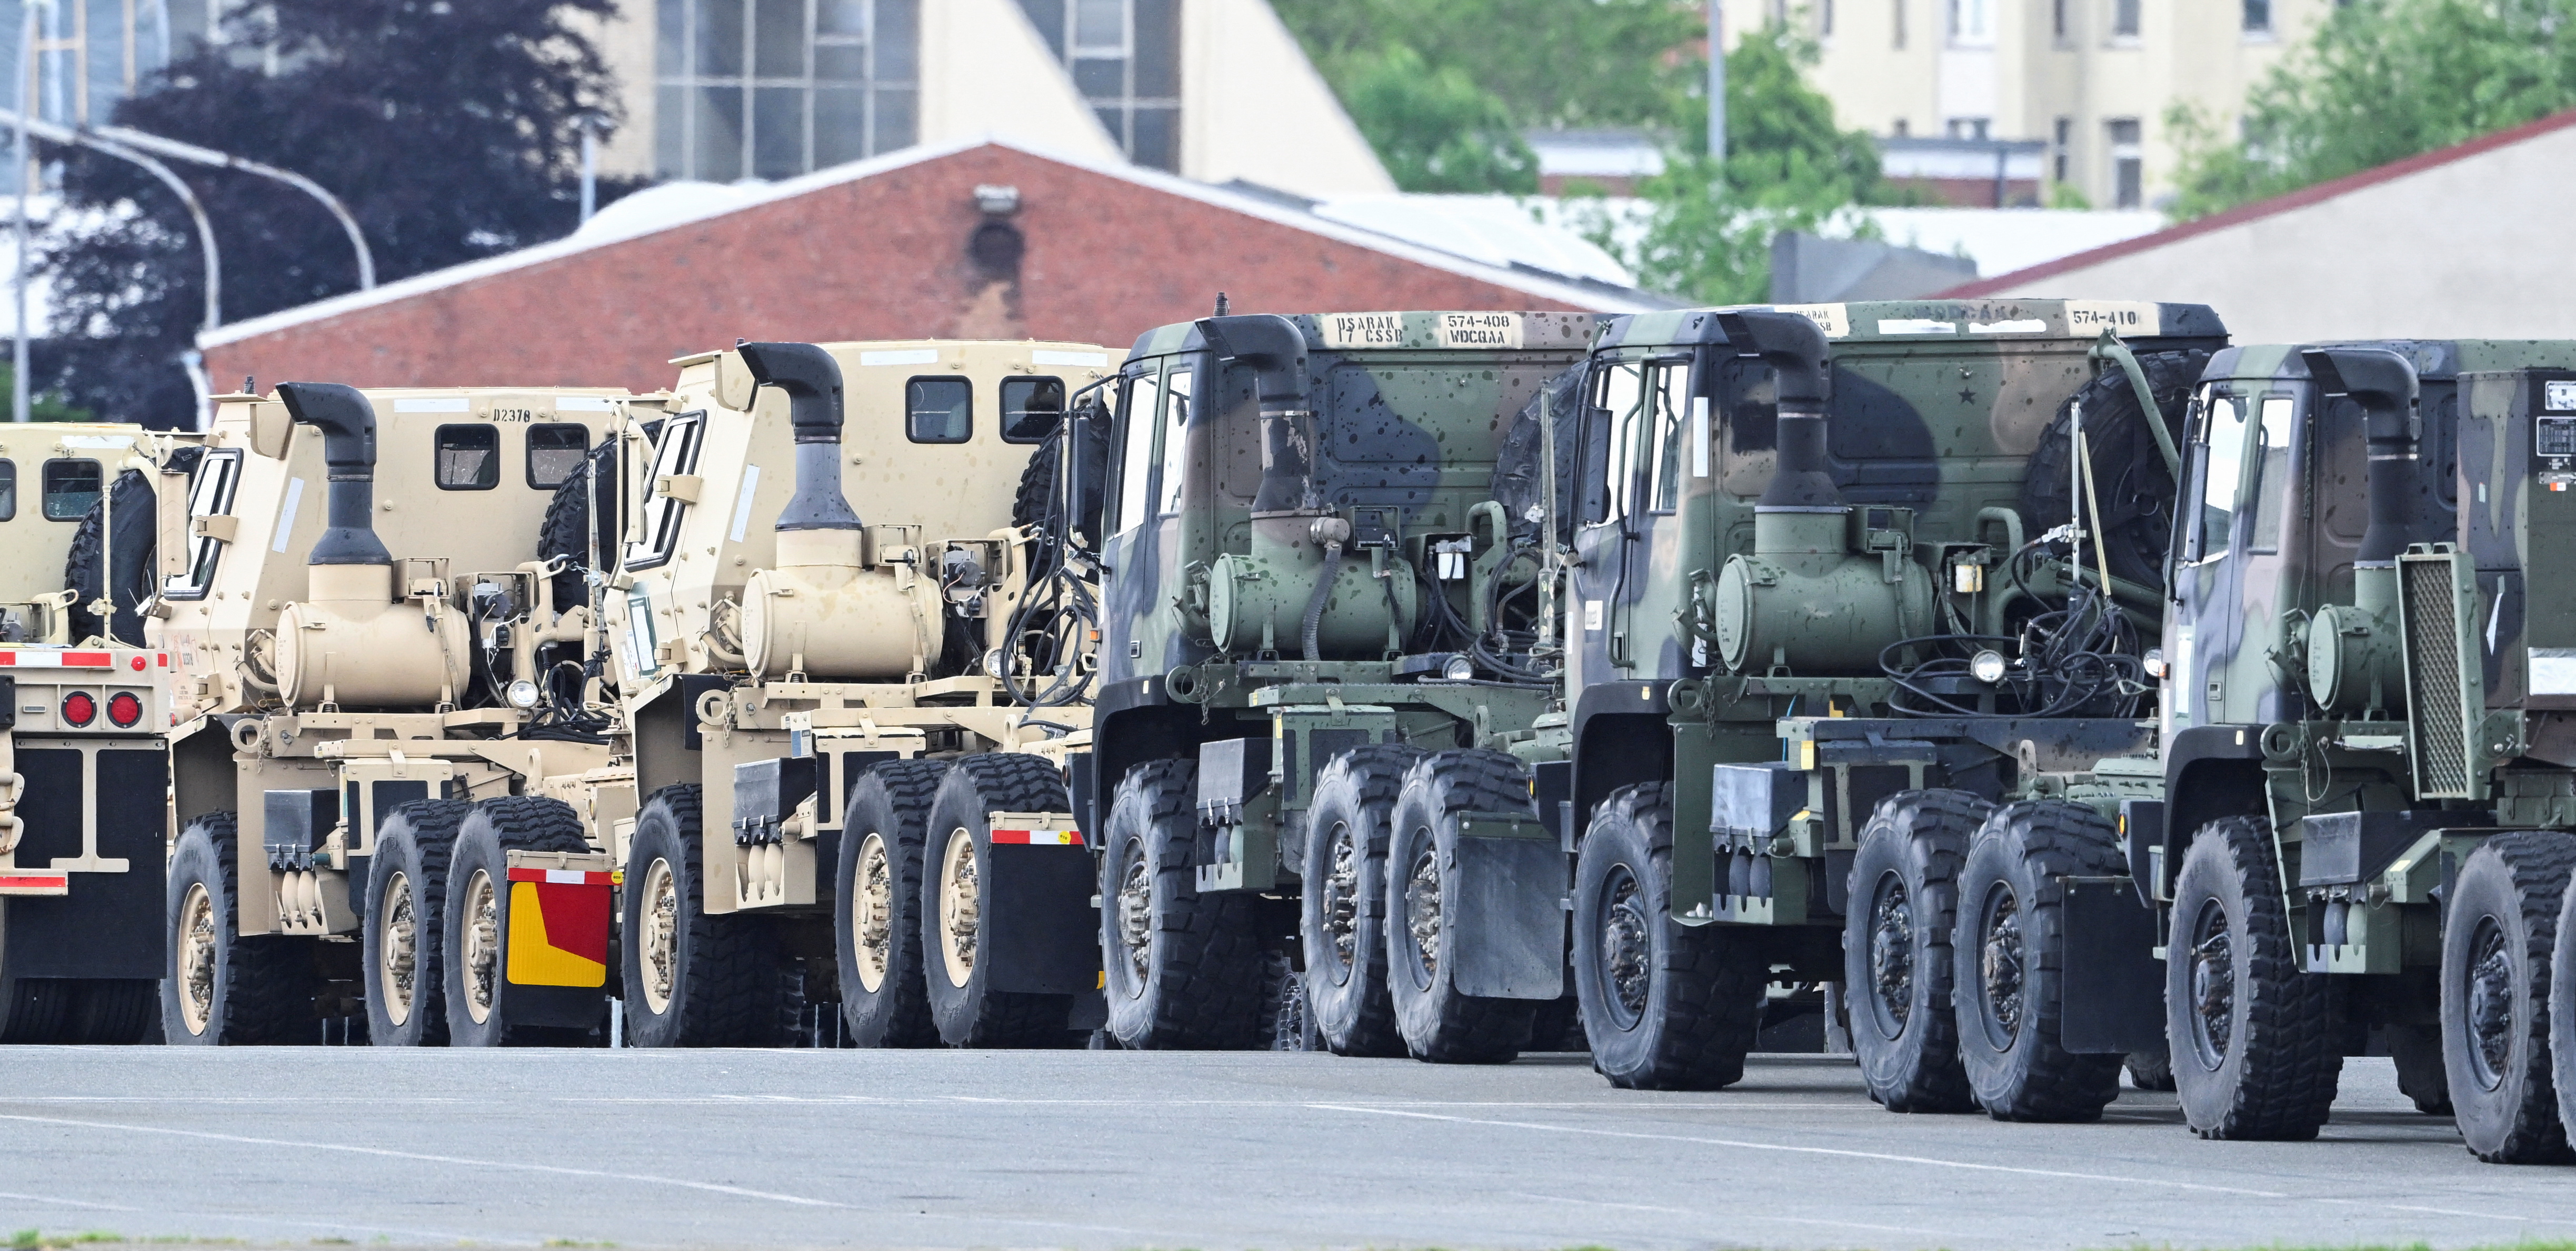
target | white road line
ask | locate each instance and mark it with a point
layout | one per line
(1736, 1215)
(2488, 1216)
(1744, 1145)
(60, 1202)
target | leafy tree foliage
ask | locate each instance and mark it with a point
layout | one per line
(447, 126)
(1550, 62)
(1435, 129)
(2380, 81)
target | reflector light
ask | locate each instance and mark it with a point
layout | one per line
(124, 709)
(79, 708)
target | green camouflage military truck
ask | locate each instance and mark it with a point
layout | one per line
(1827, 609)
(1311, 609)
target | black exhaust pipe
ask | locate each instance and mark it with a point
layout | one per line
(2385, 385)
(1276, 350)
(812, 381)
(1795, 349)
(348, 425)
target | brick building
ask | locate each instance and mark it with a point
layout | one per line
(985, 240)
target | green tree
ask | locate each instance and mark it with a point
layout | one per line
(2380, 81)
(1435, 129)
(1550, 62)
(41, 405)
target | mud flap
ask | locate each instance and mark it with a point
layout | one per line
(1506, 918)
(1043, 933)
(556, 956)
(2114, 985)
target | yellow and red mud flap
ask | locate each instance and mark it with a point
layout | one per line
(559, 922)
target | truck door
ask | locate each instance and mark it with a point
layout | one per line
(1144, 549)
(2218, 542)
(1618, 415)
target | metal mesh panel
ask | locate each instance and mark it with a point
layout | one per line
(2433, 678)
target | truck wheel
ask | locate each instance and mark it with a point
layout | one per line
(399, 943)
(1341, 917)
(1183, 969)
(1665, 1006)
(2252, 1036)
(1558, 1026)
(2562, 1013)
(2499, 932)
(876, 905)
(476, 923)
(692, 980)
(111, 1011)
(32, 1009)
(2009, 950)
(224, 988)
(2151, 1070)
(2417, 1049)
(1439, 1023)
(1896, 948)
(958, 957)
(1283, 990)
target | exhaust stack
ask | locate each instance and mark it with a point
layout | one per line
(1796, 351)
(812, 381)
(1276, 350)
(2385, 386)
(348, 425)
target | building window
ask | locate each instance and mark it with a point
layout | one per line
(1901, 129)
(2258, 17)
(2124, 18)
(1897, 11)
(1126, 60)
(776, 88)
(1824, 19)
(1969, 128)
(2128, 163)
(2057, 20)
(2061, 136)
(1972, 23)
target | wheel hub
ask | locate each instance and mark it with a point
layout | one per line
(197, 958)
(661, 913)
(2002, 963)
(1341, 902)
(1422, 910)
(961, 907)
(2490, 1004)
(872, 914)
(2213, 986)
(1136, 914)
(1891, 953)
(482, 945)
(1627, 946)
(400, 950)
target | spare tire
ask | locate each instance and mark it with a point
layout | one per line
(565, 531)
(2135, 489)
(123, 571)
(1037, 500)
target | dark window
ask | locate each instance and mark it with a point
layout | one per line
(554, 454)
(2060, 137)
(772, 88)
(469, 458)
(676, 455)
(938, 410)
(2258, 15)
(2057, 18)
(1899, 15)
(1031, 408)
(210, 494)
(8, 490)
(2125, 18)
(1125, 60)
(71, 489)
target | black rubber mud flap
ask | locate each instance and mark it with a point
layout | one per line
(2115, 986)
(1510, 919)
(1044, 932)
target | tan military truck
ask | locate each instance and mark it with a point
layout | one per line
(368, 667)
(815, 615)
(82, 767)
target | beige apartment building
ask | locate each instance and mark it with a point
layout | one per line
(2091, 79)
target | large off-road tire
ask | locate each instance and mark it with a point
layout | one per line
(1182, 969)
(959, 960)
(2562, 1012)
(112, 1011)
(2130, 478)
(876, 905)
(476, 923)
(1341, 918)
(2010, 950)
(1439, 1022)
(1036, 502)
(692, 979)
(1896, 948)
(2151, 1070)
(2421, 1075)
(566, 529)
(402, 940)
(2499, 937)
(122, 570)
(32, 1009)
(2253, 1036)
(1665, 1006)
(224, 989)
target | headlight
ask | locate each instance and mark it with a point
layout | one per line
(993, 664)
(523, 694)
(1987, 666)
(1458, 669)
(2155, 663)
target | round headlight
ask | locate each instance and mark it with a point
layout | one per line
(993, 664)
(1458, 669)
(523, 694)
(1987, 666)
(2155, 663)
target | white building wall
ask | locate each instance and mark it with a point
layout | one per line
(985, 71)
(1253, 107)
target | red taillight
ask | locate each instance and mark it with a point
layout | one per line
(79, 708)
(124, 709)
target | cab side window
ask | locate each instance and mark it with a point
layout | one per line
(1136, 422)
(555, 454)
(939, 410)
(1176, 444)
(210, 494)
(8, 490)
(1612, 424)
(2221, 456)
(2270, 473)
(1031, 408)
(71, 488)
(468, 457)
(1668, 386)
(675, 456)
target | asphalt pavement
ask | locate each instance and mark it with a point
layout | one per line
(759, 1149)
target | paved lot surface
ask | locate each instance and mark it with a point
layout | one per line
(1076, 1149)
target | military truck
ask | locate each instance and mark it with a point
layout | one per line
(2359, 819)
(1308, 596)
(811, 694)
(1829, 601)
(82, 766)
(353, 724)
